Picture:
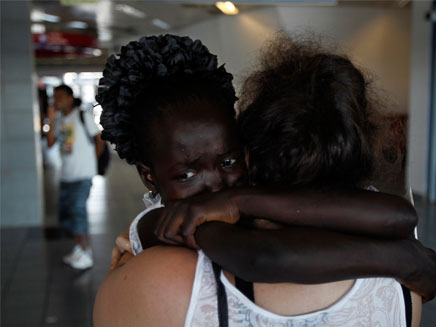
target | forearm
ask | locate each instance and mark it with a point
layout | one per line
(99, 145)
(51, 139)
(146, 229)
(302, 255)
(350, 210)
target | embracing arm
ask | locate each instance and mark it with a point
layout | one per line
(123, 251)
(310, 256)
(352, 211)
(145, 229)
(344, 210)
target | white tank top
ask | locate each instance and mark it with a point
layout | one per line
(370, 302)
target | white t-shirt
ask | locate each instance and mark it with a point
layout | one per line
(79, 160)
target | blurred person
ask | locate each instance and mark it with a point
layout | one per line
(72, 130)
(177, 128)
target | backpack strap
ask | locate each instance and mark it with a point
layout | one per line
(82, 119)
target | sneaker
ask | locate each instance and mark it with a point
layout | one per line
(73, 254)
(83, 260)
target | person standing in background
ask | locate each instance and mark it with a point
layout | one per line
(80, 145)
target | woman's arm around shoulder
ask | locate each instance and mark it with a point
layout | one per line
(153, 289)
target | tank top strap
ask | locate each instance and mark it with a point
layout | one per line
(223, 314)
(408, 304)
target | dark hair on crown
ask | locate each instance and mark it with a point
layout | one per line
(306, 117)
(68, 90)
(150, 76)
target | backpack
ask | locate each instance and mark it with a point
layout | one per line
(105, 156)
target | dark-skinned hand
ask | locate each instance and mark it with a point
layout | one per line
(423, 279)
(180, 219)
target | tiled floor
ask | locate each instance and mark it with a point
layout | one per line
(37, 290)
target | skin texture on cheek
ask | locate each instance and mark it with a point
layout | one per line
(195, 152)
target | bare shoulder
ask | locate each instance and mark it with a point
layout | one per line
(152, 289)
(416, 309)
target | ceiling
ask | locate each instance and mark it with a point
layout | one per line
(105, 17)
(113, 22)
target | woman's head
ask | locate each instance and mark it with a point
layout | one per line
(169, 109)
(306, 118)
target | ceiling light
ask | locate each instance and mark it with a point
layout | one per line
(77, 24)
(97, 52)
(37, 28)
(161, 24)
(40, 16)
(78, 2)
(104, 34)
(129, 10)
(227, 7)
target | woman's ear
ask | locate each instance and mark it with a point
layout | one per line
(146, 176)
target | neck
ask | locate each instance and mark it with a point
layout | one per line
(67, 111)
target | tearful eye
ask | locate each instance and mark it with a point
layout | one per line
(228, 162)
(186, 175)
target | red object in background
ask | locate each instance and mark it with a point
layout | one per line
(60, 44)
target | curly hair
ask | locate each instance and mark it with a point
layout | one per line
(146, 78)
(306, 117)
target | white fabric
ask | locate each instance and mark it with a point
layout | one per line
(81, 162)
(151, 204)
(370, 302)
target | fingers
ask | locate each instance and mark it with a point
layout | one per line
(190, 223)
(123, 243)
(126, 256)
(173, 228)
(190, 242)
(178, 223)
(116, 255)
(168, 225)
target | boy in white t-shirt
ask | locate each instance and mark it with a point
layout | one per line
(80, 141)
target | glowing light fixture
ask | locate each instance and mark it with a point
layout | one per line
(40, 16)
(129, 10)
(46, 128)
(161, 24)
(227, 7)
(37, 28)
(77, 24)
(97, 52)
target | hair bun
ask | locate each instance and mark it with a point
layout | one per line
(141, 62)
(139, 66)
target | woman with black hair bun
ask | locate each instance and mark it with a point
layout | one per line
(169, 109)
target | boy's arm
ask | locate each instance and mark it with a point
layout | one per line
(311, 256)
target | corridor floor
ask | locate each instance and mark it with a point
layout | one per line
(38, 290)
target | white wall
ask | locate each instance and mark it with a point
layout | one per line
(236, 39)
(21, 168)
(419, 117)
(378, 39)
